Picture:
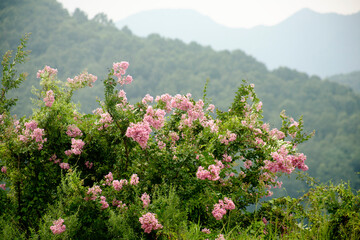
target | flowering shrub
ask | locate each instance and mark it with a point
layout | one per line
(122, 151)
(58, 226)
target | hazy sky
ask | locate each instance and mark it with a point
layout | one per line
(231, 13)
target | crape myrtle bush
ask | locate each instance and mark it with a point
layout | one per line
(132, 171)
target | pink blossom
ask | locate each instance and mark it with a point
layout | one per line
(134, 179)
(49, 99)
(139, 132)
(149, 222)
(119, 72)
(88, 164)
(105, 120)
(118, 204)
(38, 134)
(32, 125)
(147, 99)
(103, 202)
(93, 192)
(211, 108)
(212, 174)
(277, 134)
(118, 185)
(58, 226)
(155, 118)
(264, 220)
(76, 146)
(229, 204)
(259, 106)
(64, 165)
(247, 164)
(285, 162)
(181, 102)
(219, 211)
(166, 99)
(145, 198)
(205, 230)
(3, 186)
(68, 152)
(220, 237)
(265, 127)
(220, 208)
(227, 158)
(82, 80)
(3, 169)
(293, 123)
(47, 72)
(161, 144)
(73, 131)
(229, 137)
(109, 178)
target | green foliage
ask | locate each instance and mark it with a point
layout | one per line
(72, 43)
(9, 78)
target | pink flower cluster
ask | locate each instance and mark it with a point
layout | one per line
(212, 173)
(134, 179)
(105, 120)
(76, 147)
(247, 164)
(139, 132)
(46, 72)
(89, 165)
(3, 169)
(155, 118)
(147, 99)
(277, 134)
(166, 99)
(58, 226)
(103, 202)
(206, 230)
(118, 204)
(285, 162)
(31, 130)
(220, 237)
(181, 102)
(221, 207)
(64, 165)
(49, 99)
(82, 80)
(93, 192)
(118, 185)
(108, 179)
(3, 186)
(149, 222)
(54, 159)
(73, 131)
(259, 106)
(227, 158)
(119, 72)
(145, 198)
(229, 137)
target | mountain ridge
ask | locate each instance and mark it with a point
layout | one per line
(323, 44)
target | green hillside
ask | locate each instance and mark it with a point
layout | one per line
(351, 80)
(158, 65)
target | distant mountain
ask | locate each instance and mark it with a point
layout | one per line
(351, 80)
(321, 44)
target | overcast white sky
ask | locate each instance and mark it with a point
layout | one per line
(231, 13)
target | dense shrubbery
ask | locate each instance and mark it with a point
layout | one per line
(167, 167)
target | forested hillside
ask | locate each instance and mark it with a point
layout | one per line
(72, 43)
(351, 80)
